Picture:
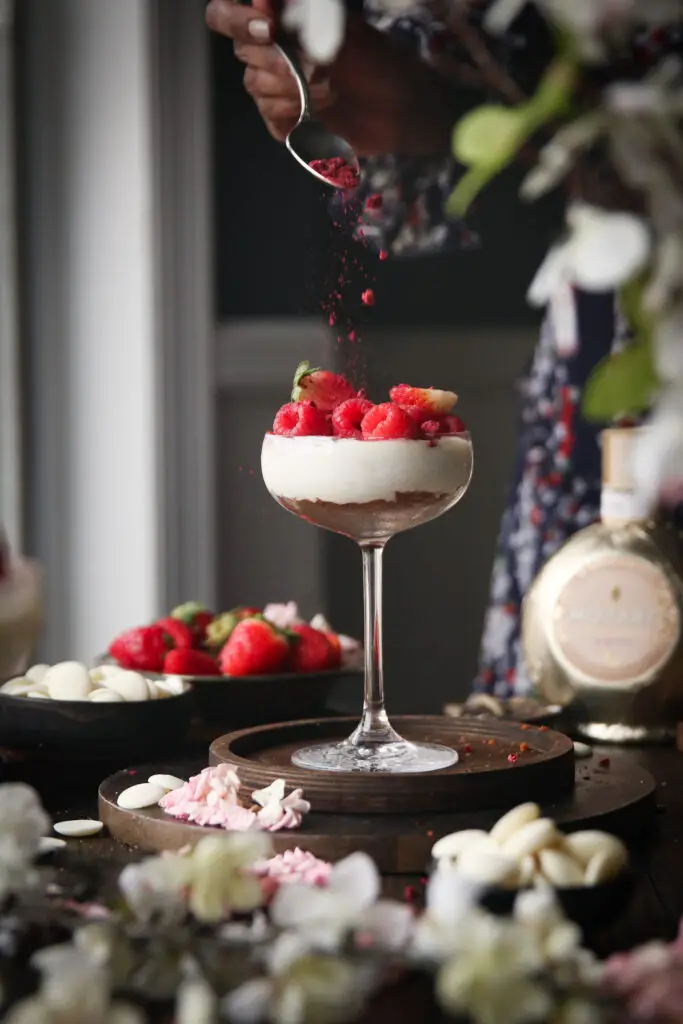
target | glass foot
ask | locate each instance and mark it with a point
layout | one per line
(398, 758)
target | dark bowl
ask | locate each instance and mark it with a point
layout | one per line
(225, 703)
(127, 732)
(592, 907)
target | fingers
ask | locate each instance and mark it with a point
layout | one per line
(243, 24)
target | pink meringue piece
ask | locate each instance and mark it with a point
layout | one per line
(210, 798)
(294, 866)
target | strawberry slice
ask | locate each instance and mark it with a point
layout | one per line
(322, 387)
(431, 401)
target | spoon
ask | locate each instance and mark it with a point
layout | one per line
(309, 139)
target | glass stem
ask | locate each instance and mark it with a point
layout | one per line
(374, 725)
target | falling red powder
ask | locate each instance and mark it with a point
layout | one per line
(383, 254)
(337, 172)
(368, 297)
(374, 202)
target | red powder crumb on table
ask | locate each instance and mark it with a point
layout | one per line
(491, 742)
(524, 747)
(337, 172)
(604, 762)
(543, 728)
(512, 758)
(430, 834)
(468, 748)
(368, 297)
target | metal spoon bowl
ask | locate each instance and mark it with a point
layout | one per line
(309, 139)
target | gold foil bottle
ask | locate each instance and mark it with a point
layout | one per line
(602, 624)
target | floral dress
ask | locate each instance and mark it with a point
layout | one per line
(556, 485)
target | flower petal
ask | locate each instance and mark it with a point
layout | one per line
(357, 880)
(552, 273)
(387, 923)
(606, 249)
(248, 1004)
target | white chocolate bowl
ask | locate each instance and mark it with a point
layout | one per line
(72, 712)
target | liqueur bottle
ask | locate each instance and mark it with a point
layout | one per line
(602, 623)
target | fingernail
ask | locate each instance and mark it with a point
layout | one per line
(259, 29)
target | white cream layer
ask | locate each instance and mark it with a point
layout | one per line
(344, 470)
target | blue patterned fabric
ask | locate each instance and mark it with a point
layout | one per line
(556, 486)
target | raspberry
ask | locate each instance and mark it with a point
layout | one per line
(336, 171)
(347, 417)
(443, 425)
(388, 421)
(374, 202)
(301, 419)
(368, 297)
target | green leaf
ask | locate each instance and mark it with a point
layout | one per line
(623, 384)
(637, 316)
(553, 95)
(488, 136)
(467, 190)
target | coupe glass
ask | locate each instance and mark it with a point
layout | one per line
(369, 491)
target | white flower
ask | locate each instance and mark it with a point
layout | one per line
(22, 823)
(320, 26)
(302, 987)
(280, 811)
(73, 990)
(450, 904)
(219, 881)
(601, 252)
(349, 903)
(155, 888)
(491, 975)
(284, 616)
(658, 455)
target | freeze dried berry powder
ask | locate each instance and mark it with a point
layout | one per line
(337, 172)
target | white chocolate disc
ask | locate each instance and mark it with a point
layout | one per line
(78, 827)
(68, 680)
(513, 821)
(167, 782)
(144, 794)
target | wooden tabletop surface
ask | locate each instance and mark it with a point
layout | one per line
(654, 910)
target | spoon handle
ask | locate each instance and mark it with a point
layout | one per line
(290, 56)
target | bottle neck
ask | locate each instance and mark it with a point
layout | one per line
(619, 506)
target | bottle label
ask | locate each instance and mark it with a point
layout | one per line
(615, 621)
(623, 505)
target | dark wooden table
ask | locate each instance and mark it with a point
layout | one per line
(654, 911)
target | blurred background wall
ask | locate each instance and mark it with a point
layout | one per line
(173, 263)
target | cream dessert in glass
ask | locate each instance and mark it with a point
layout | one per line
(368, 472)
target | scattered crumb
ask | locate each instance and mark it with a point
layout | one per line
(512, 758)
(524, 747)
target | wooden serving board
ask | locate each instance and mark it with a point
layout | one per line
(618, 797)
(542, 766)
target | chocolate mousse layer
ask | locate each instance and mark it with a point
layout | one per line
(372, 520)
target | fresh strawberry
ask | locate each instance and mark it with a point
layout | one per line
(220, 629)
(322, 387)
(255, 647)
(185, 662)
(347, 417)
(336, 647)
(181, 635)
(443, 426)
(195, 615)
(313, 651)
(142, 649)
(301, 419)
(434, 402)
(387, 421)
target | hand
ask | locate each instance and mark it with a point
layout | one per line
(375, 95)
(267, 78)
